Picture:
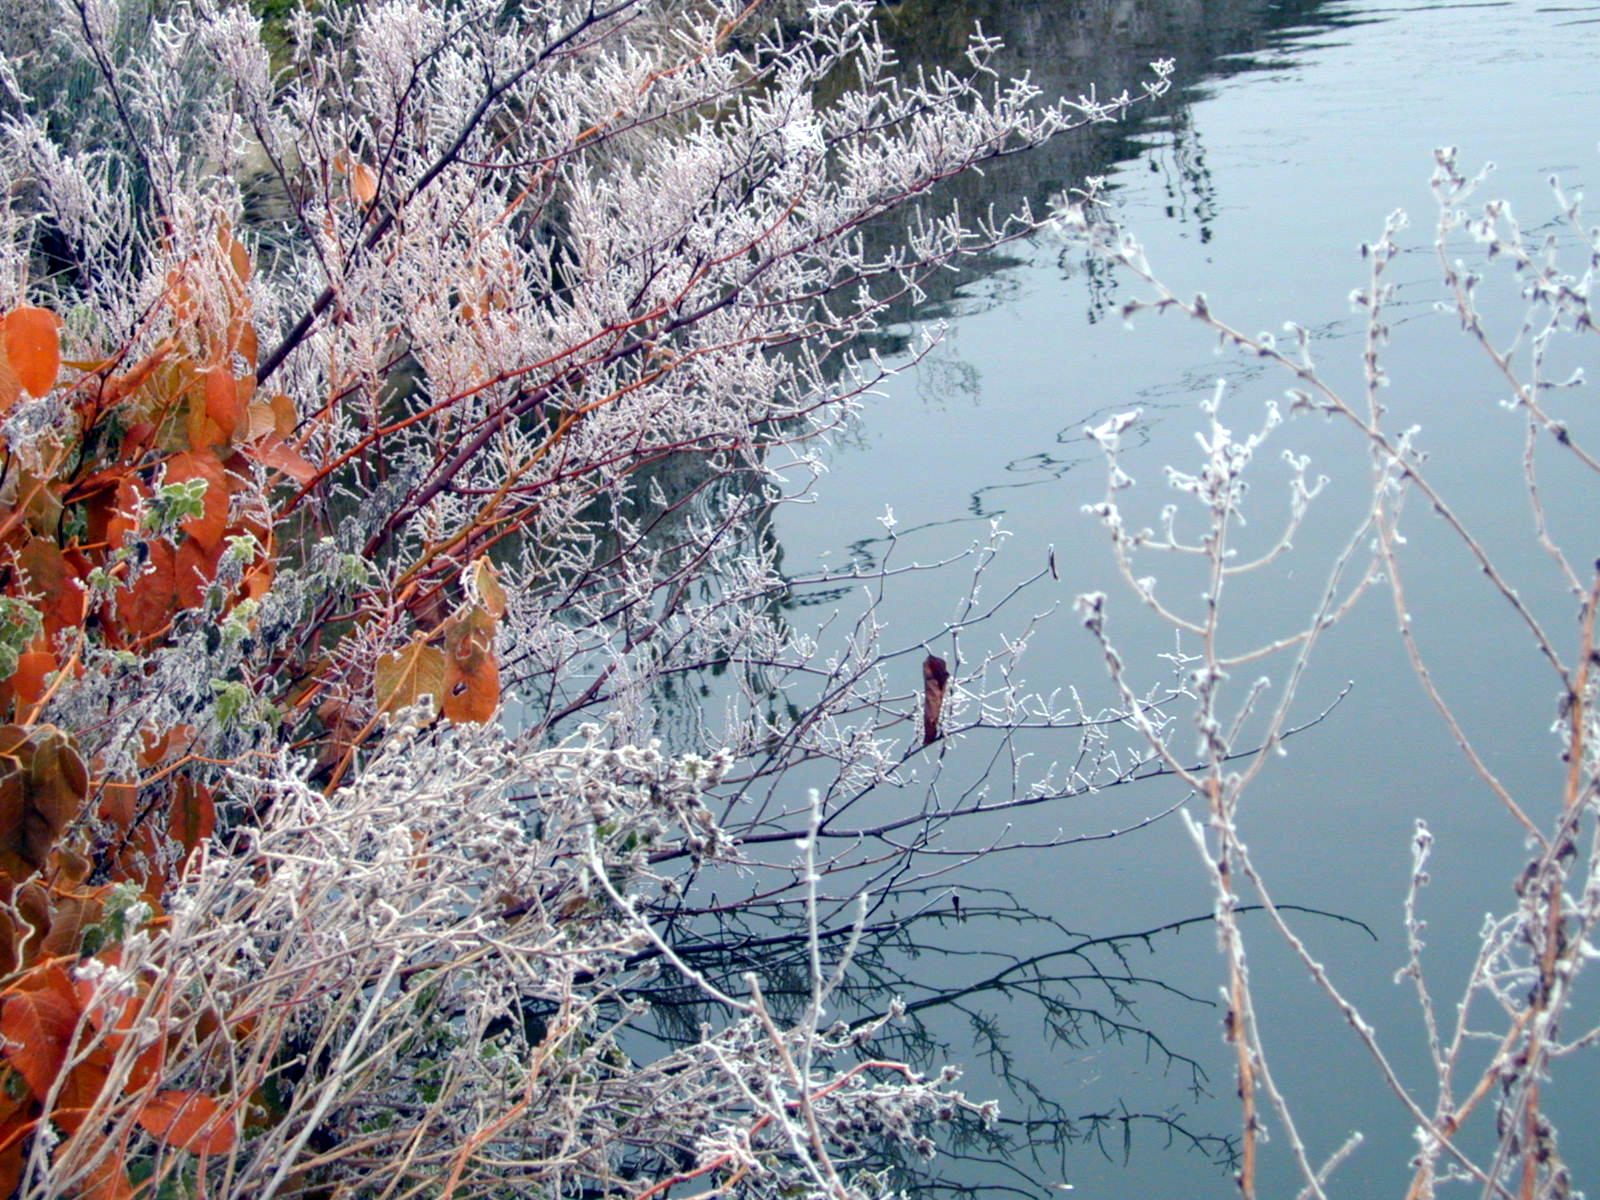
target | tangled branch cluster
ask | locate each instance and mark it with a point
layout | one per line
(392, 396)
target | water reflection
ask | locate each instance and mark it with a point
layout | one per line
(1101, 47)
(1083, 997)
(1294, 130)
(1091, 1041)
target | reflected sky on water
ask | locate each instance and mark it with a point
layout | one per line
(1294, 130)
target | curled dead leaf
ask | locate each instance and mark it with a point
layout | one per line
(472, 675)
(935, 682)
(487, 581)
(364, 183)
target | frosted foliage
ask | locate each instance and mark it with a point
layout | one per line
(537, 298)
(397, 930)
(528, 257)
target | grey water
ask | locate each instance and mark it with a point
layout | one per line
(1294, 129)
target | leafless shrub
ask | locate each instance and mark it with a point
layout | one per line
(1485, 1124)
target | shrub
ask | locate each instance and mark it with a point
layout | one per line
(391, 402)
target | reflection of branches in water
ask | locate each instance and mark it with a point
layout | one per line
(896, 822)
(924, 953)
(1103, 42)
(1035, 1151)
(1099, 281)
(1186, 182)
(1084, 992)
(865, 555)
(864, 558)
(944, 379)
(1173, 151)
(893, 822)
(1036, 470)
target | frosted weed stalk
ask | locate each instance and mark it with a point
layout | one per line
(1519, 992)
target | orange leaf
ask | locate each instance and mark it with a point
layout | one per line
(37, 1027)
(156, 746)
(32, 340)
(11, 951)
(189, 1120)
(284, 415)
(147, 607)
(278, 454)
(193, 815)
(472, 676)
(42, 788)
(54, 582)
(28, 680)
(490, 592)
(13, 743)
(136, 846)
(70, 868)
(405, 676)
(118, 804)
(245, 343)
(14, 1130)
(81, 1089)
(182, 295)
(259, 420)
(57, 768)
(209, 527)
(10, 385)
(364, 183)
(71, 916)
(475, 695)
(193, 567)
(238, 256)
(32, 904)
(469, 637)
(222, 400)
(119, 515)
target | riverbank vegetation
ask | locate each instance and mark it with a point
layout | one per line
(393, 407)
(418, 778)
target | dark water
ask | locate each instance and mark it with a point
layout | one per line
(1294, 130)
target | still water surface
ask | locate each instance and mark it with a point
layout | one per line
(1294, 130)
